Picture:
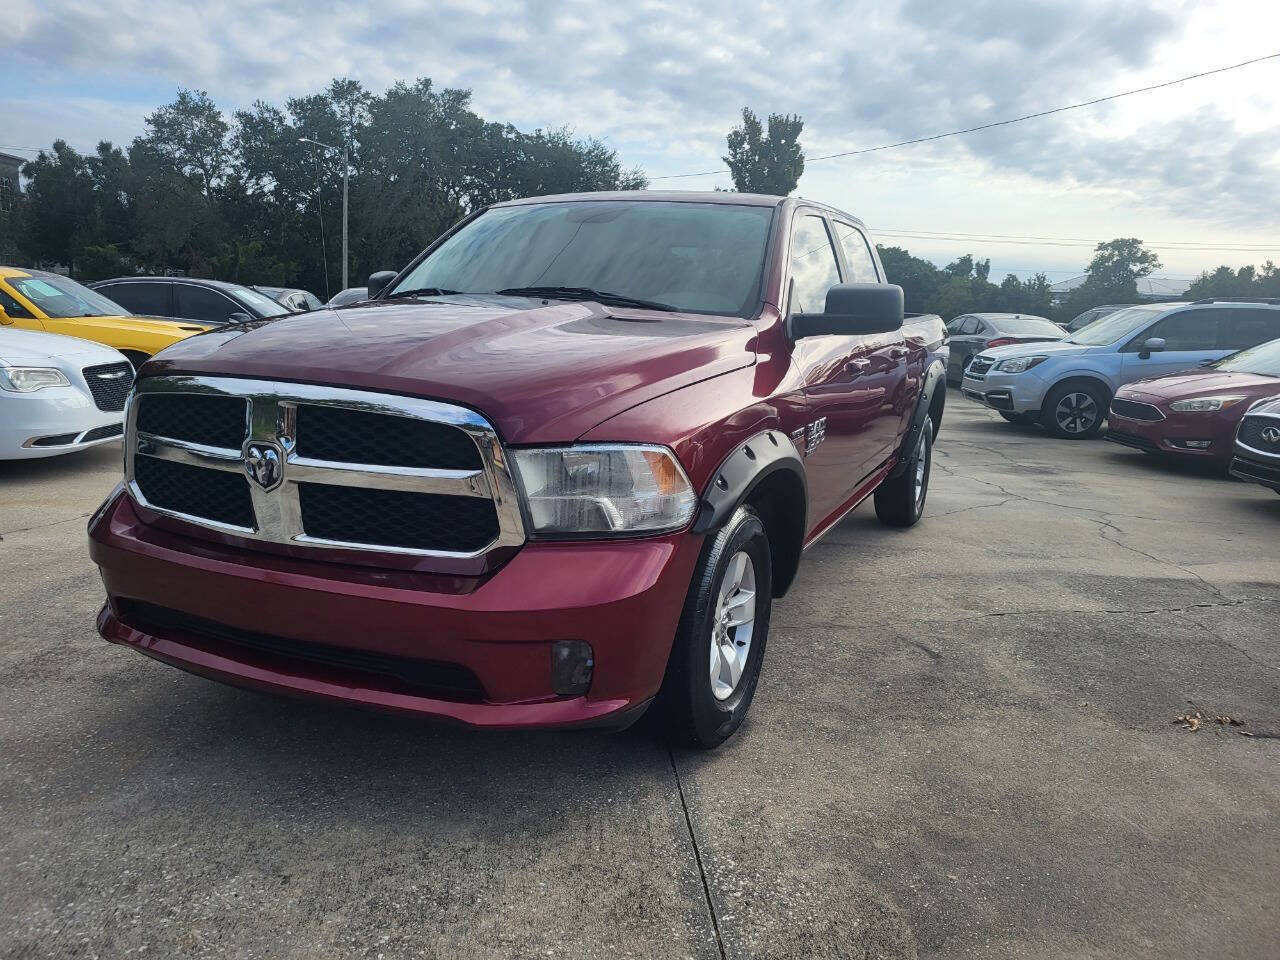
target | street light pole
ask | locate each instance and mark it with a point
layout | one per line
(346, 175)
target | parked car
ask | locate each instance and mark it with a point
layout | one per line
(1082, 320)
(58, 394)
(344, 298)
(973, 332)
(1068, 386)
(568, 491)
(299, 301)
(1195, 413)
(209, 302)
(1257, 449)
(36, 300)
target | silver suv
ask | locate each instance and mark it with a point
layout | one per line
(1067, 386)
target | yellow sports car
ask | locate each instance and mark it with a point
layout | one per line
(36, 300)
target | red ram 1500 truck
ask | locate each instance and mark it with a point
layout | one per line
(553, 473)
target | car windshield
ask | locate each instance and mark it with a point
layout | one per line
(58, 297)
(1263, 360)
(264, 305)
(1117, 326)
(694, 257)
(1027, 325)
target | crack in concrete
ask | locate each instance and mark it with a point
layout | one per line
(41, 526)
(697, 855)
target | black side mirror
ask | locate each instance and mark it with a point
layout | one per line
(1150, 346)
(239, 317)
(853, 309)
(378, 281)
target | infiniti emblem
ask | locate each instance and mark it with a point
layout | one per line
(262, 463)
(1271, 434)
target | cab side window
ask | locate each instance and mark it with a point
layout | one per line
(857, 254)
(1187, 330)
(970, 325)
(13, 308)
(814, 269)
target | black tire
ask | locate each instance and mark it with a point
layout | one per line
(1084, 409)
(1018, 417)
(686, 709)
(136, 358)
(900, 500)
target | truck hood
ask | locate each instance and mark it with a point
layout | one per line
(1203, 383)
(540, 372)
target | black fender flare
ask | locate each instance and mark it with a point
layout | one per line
(935, 375)
(756, 458)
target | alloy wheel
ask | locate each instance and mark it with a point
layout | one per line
(1076, 412)
(733, 625)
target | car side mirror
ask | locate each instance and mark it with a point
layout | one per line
(1150, 346)
(853, 309)
(239, 317)
(378, 281)
(5, 319)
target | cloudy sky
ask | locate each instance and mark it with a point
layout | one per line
(1195, 165)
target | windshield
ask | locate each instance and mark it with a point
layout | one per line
(1263, 360)
(58, 297)
(695, 257)
(1028, 325)
(265, 306)
(1117, 326)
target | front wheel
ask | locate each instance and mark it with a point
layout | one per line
(719, 646)
(900, 499)
(1075, 411)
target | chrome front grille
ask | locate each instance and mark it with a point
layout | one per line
(321, 467)
(1136, 410)
(978, 367)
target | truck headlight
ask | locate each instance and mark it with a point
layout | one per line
(1019, 364)
(601, 490)
(1204, 404)
(31, 379)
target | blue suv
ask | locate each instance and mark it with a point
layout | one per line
(1067, 386)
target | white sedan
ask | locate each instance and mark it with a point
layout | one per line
(58, 394)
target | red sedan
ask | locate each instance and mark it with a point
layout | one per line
(1195, 413)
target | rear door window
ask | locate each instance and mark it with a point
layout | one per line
(1248, 328)
(970, 325)
(13, 308)
(146, 299)
(202, 304)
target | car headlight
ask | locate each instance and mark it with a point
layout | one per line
(30, 379)
(1019, 364)
(1204, 404)
(604, 490)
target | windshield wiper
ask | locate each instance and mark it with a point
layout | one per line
(584, 293)
(422, 292)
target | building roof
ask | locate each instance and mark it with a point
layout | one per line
(1147, 286)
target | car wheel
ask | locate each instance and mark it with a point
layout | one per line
(719, 646)
(900, 499)
(1075, 411)
(1017, 417)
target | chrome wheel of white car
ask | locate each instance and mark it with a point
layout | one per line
(733, 625)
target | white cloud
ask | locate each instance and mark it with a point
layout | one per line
(663, 81)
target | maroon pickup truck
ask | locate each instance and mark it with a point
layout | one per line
(553, 473)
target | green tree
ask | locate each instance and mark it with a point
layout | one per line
(763, 162)
(1261, 281)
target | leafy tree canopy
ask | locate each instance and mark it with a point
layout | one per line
(763, 162)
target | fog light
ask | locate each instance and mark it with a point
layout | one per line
(1193, 444)
(571, 666)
